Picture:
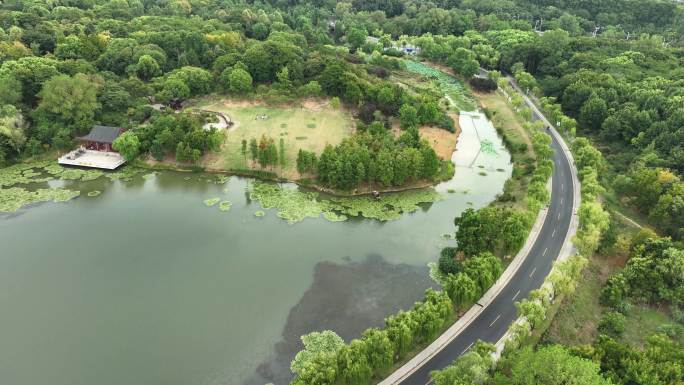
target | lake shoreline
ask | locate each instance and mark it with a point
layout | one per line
(162, 166)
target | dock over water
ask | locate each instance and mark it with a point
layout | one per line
(94, 159)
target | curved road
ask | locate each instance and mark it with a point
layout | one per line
(493, 322)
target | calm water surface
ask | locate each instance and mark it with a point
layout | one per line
(145, 285)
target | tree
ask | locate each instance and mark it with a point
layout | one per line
(281, 153)
(243, 149)
(552, 365)
(325, 342)
(400, 332)
(12, 135)
(254, 149)
(385, 167)
(471, 368)
(306, 161)
(356, 37)
(447, 261)
(284, 83)
(408, 116)
(174, 88)
(352, 364)
(147, 67)
(70, 101)
(31, 73)
(462, 289)
(128, 145)
(533, 310)
(379, 350)
(593, 112)
(10, 92)
(240, 81)
(464, 62)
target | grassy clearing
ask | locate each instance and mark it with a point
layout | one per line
(643, 321)
(517, 139)
(577, 318)
(309, 127)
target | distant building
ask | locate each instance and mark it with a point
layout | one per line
(406, 48)
(101, 138)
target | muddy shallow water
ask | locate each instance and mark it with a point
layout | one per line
(144, 284)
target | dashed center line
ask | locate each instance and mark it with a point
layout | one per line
(495, 319)
(561, 201)
(532, 273)
(554, 233)
(516, 295)
(465, 350)
(545, 250)
(559, 216)
(562, 187)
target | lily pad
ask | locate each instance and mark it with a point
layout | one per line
(125, 174)
(259, 213)
(334, 217)
(211, 201)
(295, 205)
(14, 198)
(225, 205)
(94, 193)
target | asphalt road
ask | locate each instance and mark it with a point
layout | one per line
(493, 322)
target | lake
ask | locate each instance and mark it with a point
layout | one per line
(144, 284)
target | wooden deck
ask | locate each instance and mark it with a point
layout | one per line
(93, 159)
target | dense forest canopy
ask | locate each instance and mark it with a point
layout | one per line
(614, 67)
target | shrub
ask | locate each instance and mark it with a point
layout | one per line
(447, 261)
(612, 323)
(483, 84)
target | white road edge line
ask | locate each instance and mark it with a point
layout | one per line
(532, 273)
(495, 319)
(466, 349)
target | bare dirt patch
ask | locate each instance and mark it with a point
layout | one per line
(442, 141)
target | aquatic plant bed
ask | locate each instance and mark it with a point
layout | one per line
(20, 183)
(451, 86)
(294, 205)
(14, 198)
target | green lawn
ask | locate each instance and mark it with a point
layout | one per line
(309, 127)
(643, 321)
(576, 321)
